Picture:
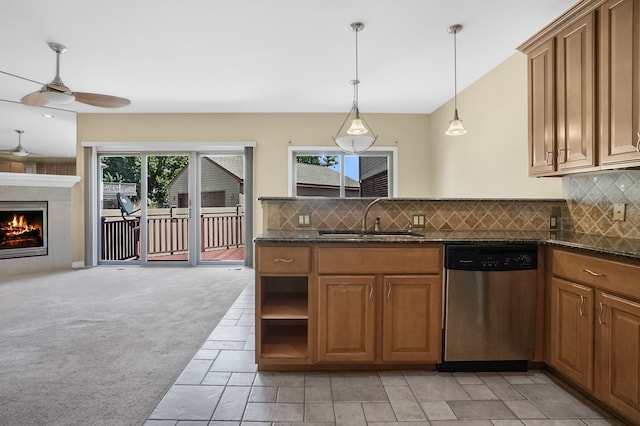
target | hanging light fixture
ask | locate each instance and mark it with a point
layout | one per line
(358, 136)
(455, 126)
(19, 151)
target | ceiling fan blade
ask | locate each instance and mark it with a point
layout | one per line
(34, 99)
(104, 101)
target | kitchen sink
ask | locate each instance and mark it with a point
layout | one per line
(349, 233)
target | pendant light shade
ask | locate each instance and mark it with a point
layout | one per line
(355, 135)
(455, 126)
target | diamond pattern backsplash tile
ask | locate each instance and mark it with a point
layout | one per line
(440, 215)
(591, 198)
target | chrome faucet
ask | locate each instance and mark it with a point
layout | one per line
(366, 212)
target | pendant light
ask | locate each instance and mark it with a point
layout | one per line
(455, 126)
(358, 136)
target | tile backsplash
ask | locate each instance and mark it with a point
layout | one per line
(441, 215)
(588, 209)
(590, 199)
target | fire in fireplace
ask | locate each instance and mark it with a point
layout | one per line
(23, 229)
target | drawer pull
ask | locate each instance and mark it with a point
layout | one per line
(283, 260)
(388, 291)
(595, 274)
(600, 317)
(581, 305)
(549, 158)
(638, 143)
(371, 292)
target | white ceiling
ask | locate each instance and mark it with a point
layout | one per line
(249, 55)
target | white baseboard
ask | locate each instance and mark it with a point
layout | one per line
(77, 265)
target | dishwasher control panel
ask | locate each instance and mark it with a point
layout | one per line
(491, 257)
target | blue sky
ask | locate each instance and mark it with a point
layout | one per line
(350, 167)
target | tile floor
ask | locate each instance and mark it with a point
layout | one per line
(221, 386)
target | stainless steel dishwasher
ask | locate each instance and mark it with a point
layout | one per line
(490, 304)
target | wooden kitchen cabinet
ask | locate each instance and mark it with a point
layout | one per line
(346, 318)
(607, 292)
(411, 328)
(571, 329)
(618, 354)
(380, 305)
(542, 124)
(620, 83)
(283, 295)
(584, 89)
(561, 73)
(575, 95)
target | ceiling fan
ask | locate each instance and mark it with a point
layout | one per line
(57, 93)
(18, 151)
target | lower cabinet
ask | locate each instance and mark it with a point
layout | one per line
(319, 305)
(346, 318)
(571, 342)
(411, 326)
(380, 305)
(410, 329)
(594, 328)
(618, 354)
(283, 294)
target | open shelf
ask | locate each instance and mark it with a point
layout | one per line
(284, 341)
(285, 306)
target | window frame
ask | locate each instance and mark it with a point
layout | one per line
(390, 152)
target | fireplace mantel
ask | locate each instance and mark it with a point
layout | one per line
(28, 179)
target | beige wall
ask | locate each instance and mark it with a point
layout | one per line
(489, 162)
(491, 159)
(273, 134)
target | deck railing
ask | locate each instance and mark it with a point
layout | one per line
(168, 235)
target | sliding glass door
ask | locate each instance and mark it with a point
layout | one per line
(175, 208)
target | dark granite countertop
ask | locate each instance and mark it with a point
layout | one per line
(623, 247)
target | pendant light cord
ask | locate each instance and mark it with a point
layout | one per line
(455, 73)
(356, 82)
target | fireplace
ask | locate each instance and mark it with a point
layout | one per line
(23, 229)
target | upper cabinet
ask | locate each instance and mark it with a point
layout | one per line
(620, 83)
(584, 90)
(542, 124)
(575, 87)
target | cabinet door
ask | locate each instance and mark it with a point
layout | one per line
(572, 329)
(346, 318)
(412, 329)
(575, 81)
(541, 70)
(620, 81)
(619, 354)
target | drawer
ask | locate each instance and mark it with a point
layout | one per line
(384, 260)
(606, 274)
(284, 260)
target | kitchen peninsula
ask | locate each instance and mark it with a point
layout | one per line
(373, 300)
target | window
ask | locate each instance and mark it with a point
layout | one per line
(327, 172)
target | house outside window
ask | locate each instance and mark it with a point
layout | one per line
(326, 172)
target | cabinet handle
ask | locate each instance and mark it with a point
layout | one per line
(581, 305)
(638, 143)
(562, 155)
(595, 274)
(371, 292)
(283, 260)
(549, 158)
(388, 291)
(600, 317)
